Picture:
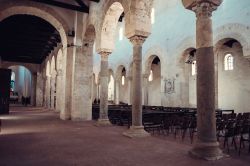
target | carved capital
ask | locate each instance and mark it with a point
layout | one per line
(104, 55)
(202, 8)
(137, 40)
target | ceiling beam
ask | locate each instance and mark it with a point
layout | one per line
(83, 9)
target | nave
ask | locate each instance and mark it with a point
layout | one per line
(36, 136)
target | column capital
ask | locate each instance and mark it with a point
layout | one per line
(104, 55)
(202, 8)
(137, 40)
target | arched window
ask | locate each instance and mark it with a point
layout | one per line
(123, 80)
(121, 33)
(229, 62)
(194, 68)
(152, 16)
(150, 78)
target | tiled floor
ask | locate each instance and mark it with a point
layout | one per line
(36, 137)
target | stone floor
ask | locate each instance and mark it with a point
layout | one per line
(36, 137)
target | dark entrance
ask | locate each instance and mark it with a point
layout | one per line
(5, 78)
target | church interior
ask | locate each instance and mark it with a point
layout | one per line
(124, 82)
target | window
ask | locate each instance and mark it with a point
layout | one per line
(194, 68)
(150, 78)
(152, 16)
(121, 33)
(123, 80)
(12, 83)
(229, 62)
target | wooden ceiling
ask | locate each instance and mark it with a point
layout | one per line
(26, 38)
(30, 39)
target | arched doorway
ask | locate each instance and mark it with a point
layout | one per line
(21, 84)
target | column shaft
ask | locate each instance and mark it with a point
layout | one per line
(104, 74)
(137, 130)
(206, 146)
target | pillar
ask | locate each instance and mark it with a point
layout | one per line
(206, 146)
(47, 92)
(130, 90)
(104, 74)
(33, 86)
(39, 90)
(117, 90)
(137, 129)
(67, 82)
(53, 82)
(145, 85)
(58, 90)
(82, 83)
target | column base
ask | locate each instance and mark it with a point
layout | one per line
(207, 151)
(103, 123)
(64, 117)
(136, 132)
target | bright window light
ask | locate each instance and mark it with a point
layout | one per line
(150, 78)
(229, 62)
(123, 80)
(152, 16)
(194, 68)
(121, 33)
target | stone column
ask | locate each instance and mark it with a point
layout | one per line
(39, 90)
(117, 90)
(52, 82)
(137, 129)
(58, 90)
(130, 90)
(34, 85)
(47, 92)
(104, 74)
(206, 146)
(216, 79)
(145, 85)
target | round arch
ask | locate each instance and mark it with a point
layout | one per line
(30, 8)
(108, 27)
(235, 31)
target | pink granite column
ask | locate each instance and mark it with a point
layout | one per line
(137, 129)
(206, 146)
(104, 76)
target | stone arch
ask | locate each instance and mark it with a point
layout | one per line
(155, 51)
(237, 32)
(33, 68)
(119, 69)
(108, 27)
(31, 8)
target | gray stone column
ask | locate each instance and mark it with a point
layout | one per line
(206, 146)
(104, 74)
(117, 90)
(216, 79)
(34, 85)
(145, 87)
(39, 90)
(130, 90)
(137, 129)
(58, 90)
